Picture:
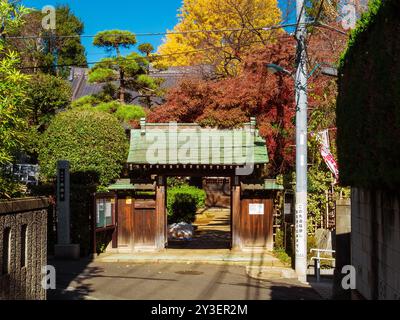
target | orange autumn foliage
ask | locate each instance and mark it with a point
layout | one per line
(270, 97)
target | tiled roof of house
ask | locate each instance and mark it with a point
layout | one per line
(172, 76)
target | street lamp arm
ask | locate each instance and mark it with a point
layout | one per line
(274, 68)
(326, 69)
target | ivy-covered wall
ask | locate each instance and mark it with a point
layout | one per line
(368, 106)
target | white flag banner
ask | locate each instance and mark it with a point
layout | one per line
(323, 139)
(330, 162)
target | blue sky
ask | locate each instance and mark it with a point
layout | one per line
(137, 16)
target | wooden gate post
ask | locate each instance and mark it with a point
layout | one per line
(161, 212)
(236, 208)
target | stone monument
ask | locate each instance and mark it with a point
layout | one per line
(64, 249)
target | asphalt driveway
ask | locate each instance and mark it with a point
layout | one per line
(118, 281)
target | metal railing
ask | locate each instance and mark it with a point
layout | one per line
(317, 261)
(26, 174)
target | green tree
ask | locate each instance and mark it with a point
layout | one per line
(11, 13)
(51, 54)
(130, 71)
(47, 94)
(13, 111)
(93, 142)
(127, 113)
(325, 11)
(115, 40)
(68, 51)
(146, 49)
(229, 48)
(321, 180)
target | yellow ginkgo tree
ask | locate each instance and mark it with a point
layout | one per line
(198, 39)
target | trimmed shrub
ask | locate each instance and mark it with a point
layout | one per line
(92, 141)
(183, 203)
(130, 113)
(109, 107)
(96, 145)
(183, 208)
(85, 102)
(124, 112)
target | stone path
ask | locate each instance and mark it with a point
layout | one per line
(212, 233)
(203, 256)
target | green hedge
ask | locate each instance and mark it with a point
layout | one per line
(124, 112)
(93, 142)
(130, 113)
(368, 105)
(183, 203)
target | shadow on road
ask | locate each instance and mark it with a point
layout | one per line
(115, 281)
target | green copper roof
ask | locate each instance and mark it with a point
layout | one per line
(193, 145)
(273, 185)
(122, 184)
(269, 184)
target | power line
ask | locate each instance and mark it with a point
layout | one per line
(316, 21)
(324, 25)
(125, 58)
(143, 57)
(148, 34)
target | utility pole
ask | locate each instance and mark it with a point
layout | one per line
(301, 144)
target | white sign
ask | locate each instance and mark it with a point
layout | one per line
(288, 208)
(256, 209)
(108, 209)
(300, 231)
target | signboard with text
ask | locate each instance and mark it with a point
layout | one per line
(61, 178)
(300, 231)
(256, 209)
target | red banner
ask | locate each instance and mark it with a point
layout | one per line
(330, 162)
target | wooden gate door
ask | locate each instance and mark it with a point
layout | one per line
(257, 223)
(125, 221)
(145, 223)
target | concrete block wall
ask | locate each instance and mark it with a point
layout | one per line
(375, 243)
(23, 282)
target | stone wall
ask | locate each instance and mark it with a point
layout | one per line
(376, 243)
(342, 247)
(23, 248)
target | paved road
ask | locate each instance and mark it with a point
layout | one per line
(116, 281)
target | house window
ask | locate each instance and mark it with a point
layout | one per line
(24, 245)
(6, 251)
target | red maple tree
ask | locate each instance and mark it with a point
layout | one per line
(255, 92)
